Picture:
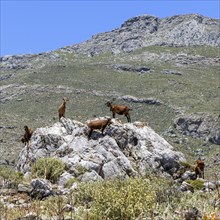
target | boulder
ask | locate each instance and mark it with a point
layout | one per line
(186, 187)
(210, 186)
(188, 175)
(64, 178)
(149, 101)
(40, 189)
(130, 68)
(172, 72)
(125, 150)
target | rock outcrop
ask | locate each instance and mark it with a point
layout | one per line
(130, 68)
(125, 150)
(150, 101)
(26, 61)
(199, 125)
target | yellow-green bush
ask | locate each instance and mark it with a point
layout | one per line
(117, 199)
(10, 175)
(197, 184)
(186, 165)
(54, 206)
(48, 168)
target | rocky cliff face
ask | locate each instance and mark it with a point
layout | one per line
(146, 30)
(200, 125)
(125, 150)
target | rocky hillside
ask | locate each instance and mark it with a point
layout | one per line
(200, 125)
(138, 32)
(164, 69)
(146, 30)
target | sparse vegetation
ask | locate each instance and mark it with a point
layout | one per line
(48, 168)
(117, 199)
(81, 169)
(197, 184)
(70, 182)
(186, 165)
(146, 198)
(12, 177)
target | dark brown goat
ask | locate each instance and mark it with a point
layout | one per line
(199, 168)
(62, 108)
(119, 109)
(100, 124)
(27, 135)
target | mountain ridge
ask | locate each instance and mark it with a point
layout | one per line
(209, 35)
(147, 30)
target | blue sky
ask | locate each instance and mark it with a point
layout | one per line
(41, 26)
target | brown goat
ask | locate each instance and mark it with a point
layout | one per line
(62, 108)
(27, 135)
(199, 168)
(100, 124)
(119, 109)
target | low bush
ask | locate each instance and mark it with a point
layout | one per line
(48, 168)
(197, 184)
(186, 165)
(70, 182)
(11, 176)
(117, 199)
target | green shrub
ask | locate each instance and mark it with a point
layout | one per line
(12, 176)
(48, 168)
(197, 184)
(117, 199)
(186, 165)
(80, 169)
(70, 182)
(54, 206)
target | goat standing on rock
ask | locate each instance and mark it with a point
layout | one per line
(27, 135)
(119, 109)
(100, 124)
(62, 108)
